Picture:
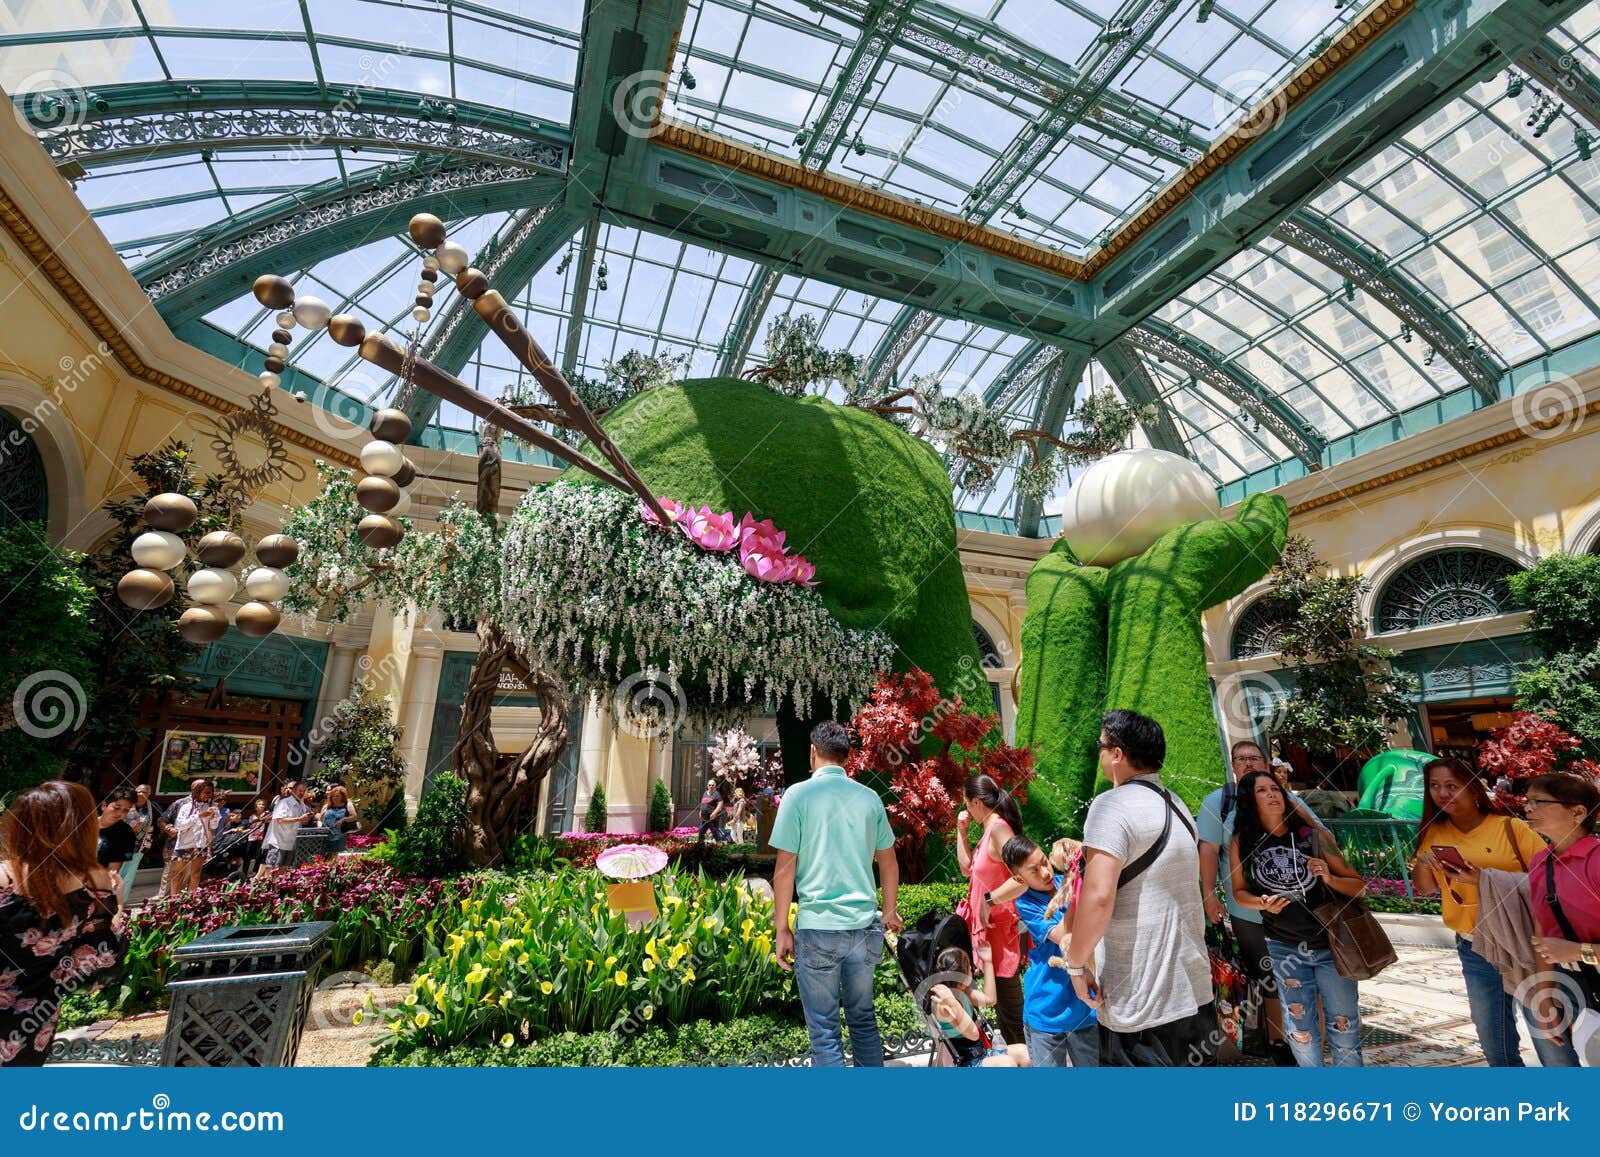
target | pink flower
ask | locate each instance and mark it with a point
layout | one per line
(711, 531)
(750, 528)
(674, 511)
(805, 573)
(761, 562)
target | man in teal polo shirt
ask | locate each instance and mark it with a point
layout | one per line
(828, 831)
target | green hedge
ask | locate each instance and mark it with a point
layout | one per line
(700, 1042)
(915, 899)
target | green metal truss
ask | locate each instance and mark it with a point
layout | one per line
(881, 23)
(186, 280)
(1122, 362)
(1050, 415)
(1564, 75)
(1190, 355)
(116, 124)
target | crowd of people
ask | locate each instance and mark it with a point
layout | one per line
(1091, 953)
(1095, 953)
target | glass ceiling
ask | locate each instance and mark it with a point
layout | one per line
(1495, 227)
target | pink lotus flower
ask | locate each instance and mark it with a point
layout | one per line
(804, 573)
(674, 511)
(713, 531)
(770, 566)
(750, 528)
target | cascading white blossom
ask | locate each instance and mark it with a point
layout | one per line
(592, 593)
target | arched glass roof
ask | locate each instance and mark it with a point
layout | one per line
(1481, 224)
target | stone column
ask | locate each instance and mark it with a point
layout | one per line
(416, 716)
(337, 677)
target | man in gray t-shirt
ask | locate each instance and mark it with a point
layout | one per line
(1153, 992)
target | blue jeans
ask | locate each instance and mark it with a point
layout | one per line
(1060, 1050)
(1494, 1015)
(834, 969)
(1305, 975)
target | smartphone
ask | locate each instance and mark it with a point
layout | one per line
(1450, 858)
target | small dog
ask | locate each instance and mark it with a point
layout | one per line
(1066, 857)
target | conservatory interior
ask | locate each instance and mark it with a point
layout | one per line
(529, 418)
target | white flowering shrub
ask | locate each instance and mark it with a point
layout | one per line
(592, 594)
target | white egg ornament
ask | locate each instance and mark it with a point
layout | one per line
(158, 550)
(1125, 501)
(382, 458)
(212, 586)
(266, 584)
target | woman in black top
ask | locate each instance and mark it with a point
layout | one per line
(1284, 866)
(57, 914)
(117, 839)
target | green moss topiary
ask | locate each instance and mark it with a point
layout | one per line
(865, 501)
(1129, 637)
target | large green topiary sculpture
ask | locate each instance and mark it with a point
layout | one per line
(1128, 636)
(865, 501)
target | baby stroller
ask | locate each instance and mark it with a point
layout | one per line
(916, 953)
(226, 856)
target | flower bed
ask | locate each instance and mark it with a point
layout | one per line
(1385, 895)
(377, 915)
(536, 955)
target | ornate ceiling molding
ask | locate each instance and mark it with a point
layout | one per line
(106, 329)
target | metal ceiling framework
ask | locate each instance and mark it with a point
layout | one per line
(1138, 388)
(1418, 57)
(1168, 344)
(517, 252)
(1055, 395)
(881, 21)
(1067, 106)
(187, 279)
(157, 119)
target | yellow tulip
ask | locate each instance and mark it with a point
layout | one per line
(746, 925)
(421, 1019)
(649, 965)
(688, 976)
(522, 960)
(621, 978)
(546, 987)
(610, 960)
(356, 1018)
(410, 1001)
(652, 949)
(648, 1011)
(507, 1041)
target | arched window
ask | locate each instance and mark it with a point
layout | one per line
(24, 495)
(1448, 586)
(1260, 629)
(988, 653)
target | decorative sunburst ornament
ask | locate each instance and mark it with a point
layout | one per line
(245, 482)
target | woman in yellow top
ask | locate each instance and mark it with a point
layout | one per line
(1472, 833)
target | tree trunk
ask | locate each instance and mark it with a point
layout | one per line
(495, 796)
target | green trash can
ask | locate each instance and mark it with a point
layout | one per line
(243, 994)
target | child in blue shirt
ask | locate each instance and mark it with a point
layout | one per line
(1060, 1028)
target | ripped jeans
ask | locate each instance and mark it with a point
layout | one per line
(1304, 976)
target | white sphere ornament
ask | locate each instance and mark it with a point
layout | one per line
(269, 379)
(420, 313)
(312, 312)
(380, 457)
(266, 584)
(1121, 504)
(212, 586)
(277, 350)
(452, 258)
(158, 550)
(430, 263)
(285, 320)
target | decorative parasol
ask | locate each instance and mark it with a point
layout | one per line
(631, 861)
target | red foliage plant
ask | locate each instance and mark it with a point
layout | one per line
(925, 790)
(1533, 745)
